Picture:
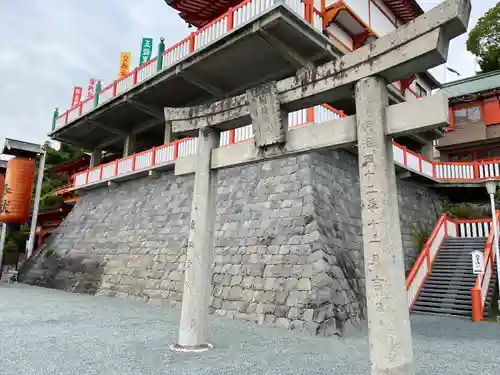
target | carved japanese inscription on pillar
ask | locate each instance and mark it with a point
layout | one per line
(268, 127)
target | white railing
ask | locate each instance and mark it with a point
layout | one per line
(173, 55)
(211, 32)
(413, 288)
(106, 94)
(125, 165)
(427, 168)
(108, 171)
(60, 121)
(297, 118)
(475, 171)
(94, 175)
(297, 6)
(87, 106)
(125, 84)
(244, 133)
(485, 282)
(454, 171)
(146, 71)
(413, 161)
(165, 154)
(451, 228)
(188, 147)
(81, 179)
(489, 170)
(245, 12)
(73, 113)
(318, 114)
(144, 160)
(317, 21)
(473, 228)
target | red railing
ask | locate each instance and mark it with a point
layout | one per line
(421, 268)
(474, 171)
(262, 5)
(62, 189)
(144, 160)
(483, 281)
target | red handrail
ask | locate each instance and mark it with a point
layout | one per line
(489, 257)
(425, 253)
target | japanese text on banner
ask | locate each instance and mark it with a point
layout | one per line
(146, 50)
(91, 88)
(124, 64)
(77, 96)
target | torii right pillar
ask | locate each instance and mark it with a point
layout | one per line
(388, 315)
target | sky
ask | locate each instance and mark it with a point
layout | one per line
(49, 46)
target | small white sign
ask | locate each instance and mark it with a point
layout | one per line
(477, 262)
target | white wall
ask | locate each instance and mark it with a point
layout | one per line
(360, 7)
(380, 23)
(341, 35)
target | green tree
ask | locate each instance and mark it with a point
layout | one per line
(484, 40)
(51, 182)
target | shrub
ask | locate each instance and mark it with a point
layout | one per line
(420, 234)
(463, 210)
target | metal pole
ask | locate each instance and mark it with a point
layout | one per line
(34, 217)
(495, 240)
(2, 245)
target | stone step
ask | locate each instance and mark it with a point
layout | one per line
(443, 305)
(444, 299)
(441, 312)
(444, 294)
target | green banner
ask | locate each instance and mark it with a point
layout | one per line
(146, 50)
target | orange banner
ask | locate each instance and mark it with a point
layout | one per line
(124, 64)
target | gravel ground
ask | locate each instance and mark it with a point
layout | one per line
(46, 331)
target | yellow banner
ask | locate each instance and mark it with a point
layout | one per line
(124, 64)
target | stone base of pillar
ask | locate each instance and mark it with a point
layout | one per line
(191, 349)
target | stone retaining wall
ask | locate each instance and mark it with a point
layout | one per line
(287, 247)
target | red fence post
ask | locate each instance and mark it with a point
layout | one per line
(191, 42)
(114, 88)
(232, 133)
(176, 150)
(133, 162)
(405, 156)
(116, 167)
(134, 79)
(100, 174)
(310, 115)
(308, 9)
(477, 310)
(476, 171)
(230, 19)
(153, 157)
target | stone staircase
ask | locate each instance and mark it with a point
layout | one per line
(447, 290)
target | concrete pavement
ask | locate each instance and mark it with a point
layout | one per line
(46, 331)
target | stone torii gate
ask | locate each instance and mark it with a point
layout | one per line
(419, 45)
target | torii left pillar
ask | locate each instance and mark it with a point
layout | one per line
(388, 317)
(199, 257)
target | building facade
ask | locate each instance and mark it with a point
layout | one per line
(474, 132)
